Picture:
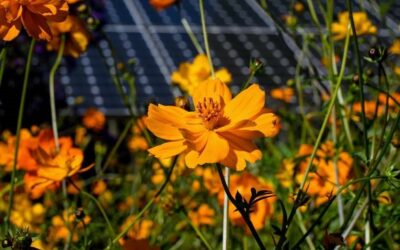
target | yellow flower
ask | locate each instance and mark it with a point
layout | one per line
(204, 215)
(34, 15)
(59, 231)
(363, 25)
(221, 129)
(77, 36)
(94, 119)
(27, 214)
(190, 75)
(395, 48)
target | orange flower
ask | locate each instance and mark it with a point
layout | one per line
(77, 36)
(395, 48)
(204, 215)
(322, 182)
(94, 119)
(370, 109)
(262, 210)
(140, 230)
(392, 104)
(220, 130)
(50, 167)
(161, 4)
(34, 15)
(7, 150)
(363, 25)
(283, 94)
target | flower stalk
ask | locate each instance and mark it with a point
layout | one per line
(52, 92)
(18, 132)
(245, 216)
(205, 36)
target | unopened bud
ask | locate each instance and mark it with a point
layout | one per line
(182, 102)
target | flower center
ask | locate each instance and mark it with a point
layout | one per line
(210, 111)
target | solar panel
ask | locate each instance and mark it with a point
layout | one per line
(238, 31)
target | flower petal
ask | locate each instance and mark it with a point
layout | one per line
(165, 121)
(215, 150)
(245, 105)
(266, 125)
(168, 149)
(214, 89)
(191, 159)
(241, 150)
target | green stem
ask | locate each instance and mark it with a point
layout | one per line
(361, 80)
(52, 94)
(3, 59)
(205, 36)
(191, 35)
(18, 132)
(248, 81)
(109, 226)
(372, 169)
(117, 144)
(383, 92)
(147, 206)
(330, 107)
(317, 222)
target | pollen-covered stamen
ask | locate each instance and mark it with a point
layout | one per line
(210, 111)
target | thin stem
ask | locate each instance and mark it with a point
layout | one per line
(354, 220)
(205, 36)
(383, 92)
(3, 59)
(361, 79)
(317, 222)
(225, 218)
(372, 169)
(304, 230)
(146, 207)
(191, 35)
(244, 216)
(117, 144)
(103, 212)
(330, 107)
(18, 132)
(52, 94)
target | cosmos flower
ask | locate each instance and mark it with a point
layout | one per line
(221, 129)
(363, 25)
(190, 75)
(94, 119)
(50, 166)
(77, 36)
(33, 15)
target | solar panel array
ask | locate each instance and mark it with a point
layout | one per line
(238, 31)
